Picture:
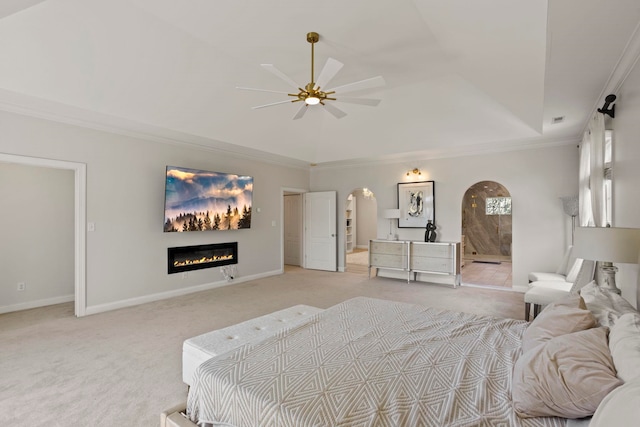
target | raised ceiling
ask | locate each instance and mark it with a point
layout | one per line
(462, 76)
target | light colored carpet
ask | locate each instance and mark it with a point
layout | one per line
(122, 368)
(360, 258)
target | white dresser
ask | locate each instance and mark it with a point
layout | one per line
(417, 259)
(390, 255)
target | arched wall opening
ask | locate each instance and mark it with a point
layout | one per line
(487, 235)
(360, 222)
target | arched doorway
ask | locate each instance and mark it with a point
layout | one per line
(361, 210)
(487, 235)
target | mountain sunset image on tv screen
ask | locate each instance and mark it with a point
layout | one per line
(198, 200)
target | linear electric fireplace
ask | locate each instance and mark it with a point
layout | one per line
(187, 258)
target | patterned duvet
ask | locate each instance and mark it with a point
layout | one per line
(368, 362)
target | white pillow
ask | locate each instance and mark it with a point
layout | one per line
(568, 376)
(559, 318)
(621, 407)
(624, 343)
(606, 306)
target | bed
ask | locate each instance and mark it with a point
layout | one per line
(371, 362)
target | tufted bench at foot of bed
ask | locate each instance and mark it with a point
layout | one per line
(173, 417)
(201, 348)
(198, 350)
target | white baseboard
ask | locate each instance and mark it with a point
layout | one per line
(94, 309)
(35, 304)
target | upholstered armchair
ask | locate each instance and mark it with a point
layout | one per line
(542, 293)
(565, 269)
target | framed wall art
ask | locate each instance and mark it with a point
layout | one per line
(199, 200)
(417, 204)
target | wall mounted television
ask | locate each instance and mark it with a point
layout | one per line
(198, 200)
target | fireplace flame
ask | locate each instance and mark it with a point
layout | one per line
(202, 260)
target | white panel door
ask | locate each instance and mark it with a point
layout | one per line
(293, 229)
(320, 231)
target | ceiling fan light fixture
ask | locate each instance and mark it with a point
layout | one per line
(312, 100)
(313, 93)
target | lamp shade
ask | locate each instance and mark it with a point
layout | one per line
(391, 213)
(608, 244)
(570, 205)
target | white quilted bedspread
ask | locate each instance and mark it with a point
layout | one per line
(368, 362)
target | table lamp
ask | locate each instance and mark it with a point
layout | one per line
(608, 245)
(391, 214)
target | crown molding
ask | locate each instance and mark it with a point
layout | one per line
(16, 103)
(622, 69)
(13, 102)
(461, 151)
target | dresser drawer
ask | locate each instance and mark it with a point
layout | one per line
(431, 250)
(392, 248)
(388, 261)
(438, 265)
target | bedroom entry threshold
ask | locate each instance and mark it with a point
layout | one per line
(487, 274)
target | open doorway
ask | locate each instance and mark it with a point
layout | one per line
(292, 227)
(309, 231)
(79, 226)
(487, 235)
(360, 219)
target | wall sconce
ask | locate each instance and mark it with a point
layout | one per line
(415, 171)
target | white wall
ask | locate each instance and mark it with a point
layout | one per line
(126, 255)
(37, 217)
(626, 173)
(536, 178)
(366, 219)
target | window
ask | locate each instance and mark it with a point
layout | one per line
(498, 205)
(608, 184)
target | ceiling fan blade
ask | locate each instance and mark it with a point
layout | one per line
(329, 71)
(272, 69)
(301, 111)
(361, 101)
(261, 90)
(362, 84)
(335, 111)
(273, 103)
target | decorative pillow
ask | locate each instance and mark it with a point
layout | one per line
(566, 377)
(560, 318)
(621, 407)
(624, 343)
(606, 306)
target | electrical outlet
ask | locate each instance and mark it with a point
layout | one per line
(22, 286)
(185, 274)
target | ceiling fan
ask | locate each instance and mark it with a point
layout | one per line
(313, 92)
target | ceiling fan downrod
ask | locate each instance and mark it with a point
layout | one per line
(313, 39)
(310, 94)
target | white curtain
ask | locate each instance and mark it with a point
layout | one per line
(585, 218)
(591, 185)
(596, 178)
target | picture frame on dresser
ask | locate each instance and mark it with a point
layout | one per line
(417, 204)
